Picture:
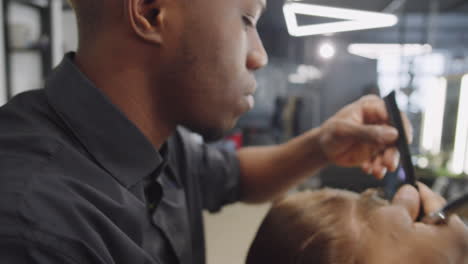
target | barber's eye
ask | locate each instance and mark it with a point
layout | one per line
(248, 21)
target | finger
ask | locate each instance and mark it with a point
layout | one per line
(373, 134)
(407, 197)
(391, 159)
(373, 109)
(430, 200)
(408, 128)
(367, 167)
(378, 169)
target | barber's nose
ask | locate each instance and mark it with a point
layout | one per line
(257, 57)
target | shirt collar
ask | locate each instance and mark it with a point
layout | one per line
(105, 132)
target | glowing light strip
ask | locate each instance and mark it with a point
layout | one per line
(434, 117)
(56, 16)
(356, 19)
(465, 111)
(376, 51)
(2, 60)
(460, 161)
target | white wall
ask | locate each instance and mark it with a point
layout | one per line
(26, 68)
(230, 233)
(57, 31)
(70, 31)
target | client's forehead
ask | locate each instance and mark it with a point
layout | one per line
(369, 201)
(328, 201)
(362, 204)
(320, 195)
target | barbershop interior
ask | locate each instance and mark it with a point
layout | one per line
(323, 55)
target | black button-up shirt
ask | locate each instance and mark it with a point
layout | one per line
(79, 183)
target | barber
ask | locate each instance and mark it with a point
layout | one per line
(94, 168)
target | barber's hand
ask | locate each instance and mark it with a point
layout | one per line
(394, 235)
(431, 201)
(359, 135)
(411, 199)
(438, 244)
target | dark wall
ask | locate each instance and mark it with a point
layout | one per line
(344, 81)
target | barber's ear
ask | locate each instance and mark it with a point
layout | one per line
(147, 18)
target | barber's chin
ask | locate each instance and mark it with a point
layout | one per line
(211, 134)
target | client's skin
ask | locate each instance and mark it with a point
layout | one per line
(340, 227)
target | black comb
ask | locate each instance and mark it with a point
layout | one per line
(402, 141)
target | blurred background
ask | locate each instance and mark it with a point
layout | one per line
(324, 54)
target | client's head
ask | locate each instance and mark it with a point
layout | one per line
(340, 227)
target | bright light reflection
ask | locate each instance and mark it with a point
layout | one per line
(434, 116)
(355, 19)
(327, 50)
(305, 74)
(423, 163)
(377, 51)
(460, 153)
(2, 59)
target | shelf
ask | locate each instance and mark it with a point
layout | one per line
(40, 4)
(49, 13)
(27, 49)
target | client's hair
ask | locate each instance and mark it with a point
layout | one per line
(310, 227)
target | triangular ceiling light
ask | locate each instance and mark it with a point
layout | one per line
(353, 19)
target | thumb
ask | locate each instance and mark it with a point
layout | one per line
(431, 201)
(375, 134)
(408, 198)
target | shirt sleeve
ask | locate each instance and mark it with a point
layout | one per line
(20, 251)
(217, 171)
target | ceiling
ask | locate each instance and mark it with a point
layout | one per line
(274, 15)
(450, 31)
(420, 6)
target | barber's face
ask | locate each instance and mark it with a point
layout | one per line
(215, 55)
(391, 235)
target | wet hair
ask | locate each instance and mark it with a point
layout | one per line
(312, 227)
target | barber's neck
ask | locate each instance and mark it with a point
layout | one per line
(121, 76)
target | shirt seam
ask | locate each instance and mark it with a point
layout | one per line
(45, 246)
(75, 133)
